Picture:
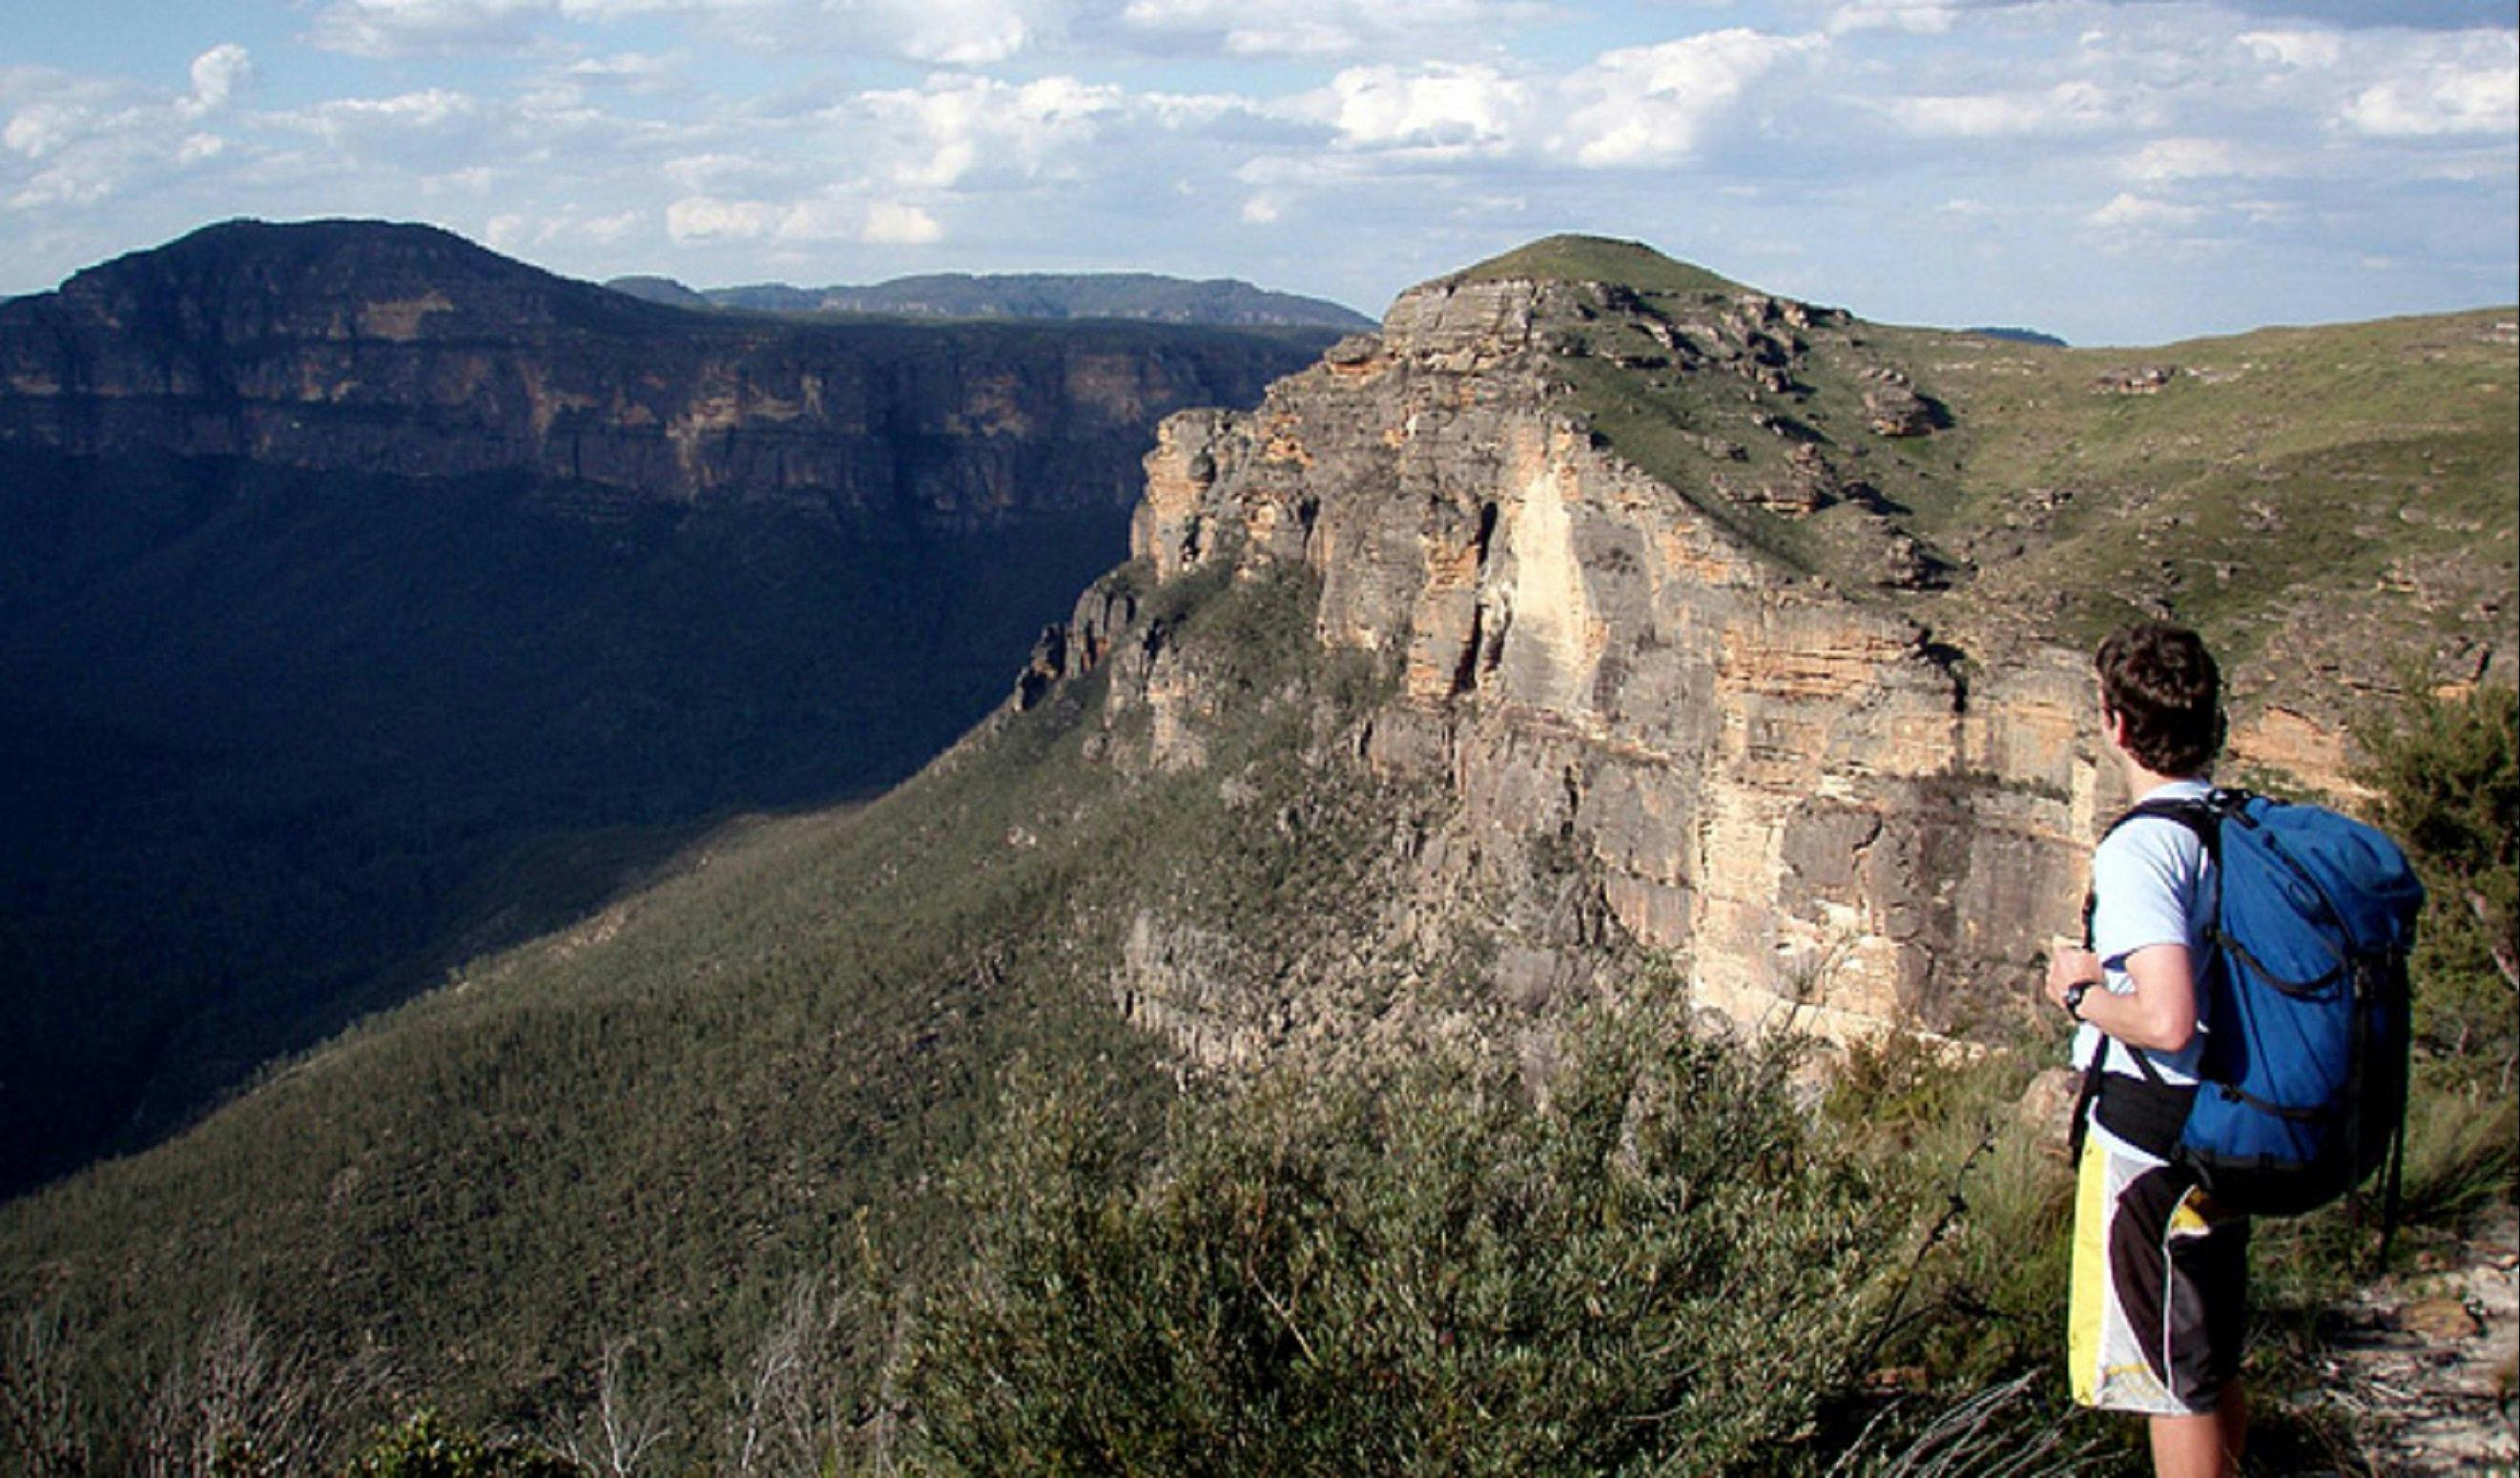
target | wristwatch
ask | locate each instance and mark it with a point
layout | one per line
(2074, 995)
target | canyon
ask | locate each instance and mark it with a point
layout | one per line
(372, 600)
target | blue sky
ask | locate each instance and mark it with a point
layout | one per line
(2118, 171)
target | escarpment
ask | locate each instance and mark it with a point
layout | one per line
(368, 349)
(1738, 715)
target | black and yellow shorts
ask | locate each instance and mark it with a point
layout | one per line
(2160, 1286)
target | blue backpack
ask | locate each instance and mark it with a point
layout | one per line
(2301, 1087)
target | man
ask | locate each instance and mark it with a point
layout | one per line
(2160, 1275)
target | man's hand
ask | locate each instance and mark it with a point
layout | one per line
(2069, 964)
(2160, 1012)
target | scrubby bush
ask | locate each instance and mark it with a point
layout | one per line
(1651, 1261)
(426, 1445)
(2448, 772)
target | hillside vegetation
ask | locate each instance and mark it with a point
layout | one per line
(645, 1129)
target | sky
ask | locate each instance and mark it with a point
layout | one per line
(2114, 171)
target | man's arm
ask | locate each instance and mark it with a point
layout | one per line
(2159, 1014)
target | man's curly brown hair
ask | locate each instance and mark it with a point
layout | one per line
(2164, 682)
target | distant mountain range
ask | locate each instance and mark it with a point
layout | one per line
(2022, 336)
(1025, 294)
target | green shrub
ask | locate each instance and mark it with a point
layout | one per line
(1655, 1263)
(2448, 772)
(426, 1445)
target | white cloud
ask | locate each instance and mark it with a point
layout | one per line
(516, 232)
(1171, 109)
(622, 67)
(1320, 29)
(2442, 97)
(218, 75)
(891, 223)
(2187, 158)
(402, 113)
(573, 86)
(1294, 38)
(700, 218)
(1632, 107)
(40, 128)
(75, 142)
(476, 179)
(2300, 50)
(2141, 213)
(63, 185)
(384, 30)
(958, 126)
(1435, 132)
(711, 173)
(953, 32)
(2077, 107)
(612, 228)
(1650, 105)
(958, 32)
(820, 218)
(1439, 104)
(1920, 18)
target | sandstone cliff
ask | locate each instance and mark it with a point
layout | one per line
(363, 347)
(1741, 716)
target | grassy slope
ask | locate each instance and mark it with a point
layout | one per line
(1599, 259)
(2278, 473)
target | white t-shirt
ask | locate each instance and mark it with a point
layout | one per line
(2148, 880)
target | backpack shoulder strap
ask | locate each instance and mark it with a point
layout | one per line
(2202, 814)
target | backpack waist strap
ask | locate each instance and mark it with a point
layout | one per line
(2144, 1112)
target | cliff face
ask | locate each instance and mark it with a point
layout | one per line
(359, 347)
(1636, 728)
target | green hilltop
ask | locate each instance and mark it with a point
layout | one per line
(1572, 258)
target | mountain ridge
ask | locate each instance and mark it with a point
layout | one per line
(1146, 295)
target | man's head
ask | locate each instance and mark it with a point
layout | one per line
(2161, 684)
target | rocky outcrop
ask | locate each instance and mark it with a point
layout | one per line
(1648, 737)
(1893, 408)
(365, 347)
(2145, 379)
